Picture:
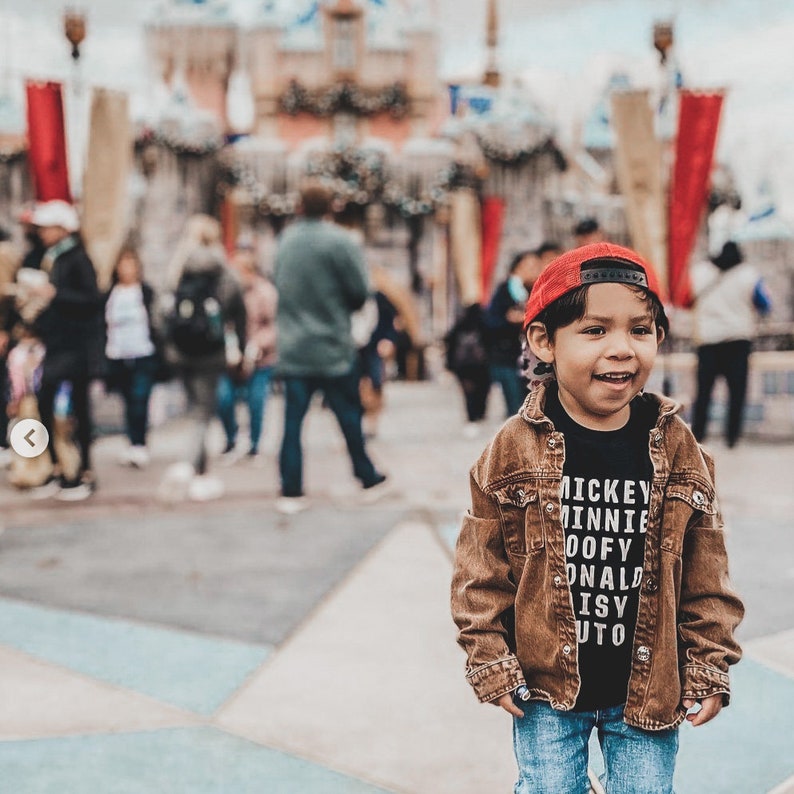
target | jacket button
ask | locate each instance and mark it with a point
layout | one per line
(549, 507)
(552, 442)
(698, 498)
(643, 653)
(558, 580)
(651, 585)
(657, 439)
(566, 649)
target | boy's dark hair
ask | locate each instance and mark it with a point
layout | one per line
(315, 200)
(571, 306)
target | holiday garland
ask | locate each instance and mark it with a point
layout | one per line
(345, 97)
(355, 176)
(184, 144)
(517, 155)
(11, 155)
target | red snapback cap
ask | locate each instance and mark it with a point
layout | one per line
(598, 263)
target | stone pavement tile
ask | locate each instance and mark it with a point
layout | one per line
(41, 700)
(244, 573)
(784, 788)
(182, 761)
(374, 683)
(186, 670)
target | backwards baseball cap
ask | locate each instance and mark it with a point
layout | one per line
(598, 263)
(55, 213)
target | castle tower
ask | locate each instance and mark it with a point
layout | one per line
(197, 40)
(492, 76)
(344, 34)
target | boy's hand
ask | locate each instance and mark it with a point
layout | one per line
(710, 708)
(506, 702)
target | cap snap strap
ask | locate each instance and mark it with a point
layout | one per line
(614, 273)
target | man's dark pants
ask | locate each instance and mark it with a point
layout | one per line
(342, 396)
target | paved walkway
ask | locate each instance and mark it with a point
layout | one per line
(225, 648)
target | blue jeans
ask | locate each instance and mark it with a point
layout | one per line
(341, 394)
(513, 386)
(254, 391)
(551, 752)
(134, 378)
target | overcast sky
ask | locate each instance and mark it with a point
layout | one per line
(565, 50)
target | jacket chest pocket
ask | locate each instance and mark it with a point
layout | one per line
(521, 524)
(683, 503)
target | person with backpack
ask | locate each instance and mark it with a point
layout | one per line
(205, 309)
(467, 359)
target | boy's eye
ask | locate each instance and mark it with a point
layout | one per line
(595, 330)
(642, 330)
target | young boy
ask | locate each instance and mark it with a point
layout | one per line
(591, 573)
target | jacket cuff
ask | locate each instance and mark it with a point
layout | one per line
(699, 682)
(492, 680)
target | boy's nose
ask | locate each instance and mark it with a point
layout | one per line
(620, 346)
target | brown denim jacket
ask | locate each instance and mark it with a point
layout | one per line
(510, 595)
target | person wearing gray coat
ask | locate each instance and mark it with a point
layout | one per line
(200, 364)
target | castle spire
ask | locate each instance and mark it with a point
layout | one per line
(492, 76)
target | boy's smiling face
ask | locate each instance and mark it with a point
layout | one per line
(604, 359)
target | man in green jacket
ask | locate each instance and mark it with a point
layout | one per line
(321, 281)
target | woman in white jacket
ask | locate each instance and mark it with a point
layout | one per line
(729, 296)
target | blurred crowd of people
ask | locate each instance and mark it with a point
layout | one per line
(484, 347)
(325, 321)
(220, 327)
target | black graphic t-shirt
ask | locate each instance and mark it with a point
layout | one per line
(605, 494)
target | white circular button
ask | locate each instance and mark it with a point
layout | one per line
(29, 438)
(566, 649)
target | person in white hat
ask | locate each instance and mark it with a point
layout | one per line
(70, 327)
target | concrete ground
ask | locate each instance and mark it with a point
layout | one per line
(224, 648)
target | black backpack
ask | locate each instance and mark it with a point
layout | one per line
(468, 350)
(195, 323)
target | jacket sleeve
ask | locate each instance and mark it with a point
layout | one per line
(709, 609)
(482, 591)
(495, 316)
(79, 289)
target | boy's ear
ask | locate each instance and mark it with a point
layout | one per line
(660, 334)
(540, 343)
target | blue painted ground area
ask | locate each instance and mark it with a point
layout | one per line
(187, 670)
(182, 761)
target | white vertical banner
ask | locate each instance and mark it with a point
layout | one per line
(108, 166)
(638, 161)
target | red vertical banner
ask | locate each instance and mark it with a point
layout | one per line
(229, 230)
(698, 123)
(493, 210)
(47, 142)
